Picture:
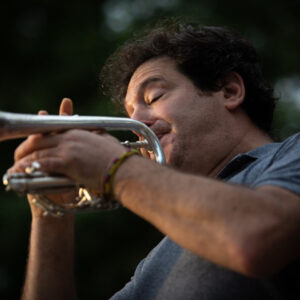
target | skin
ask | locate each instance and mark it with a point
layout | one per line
(50, 272)
(194, 209)
(207, 114)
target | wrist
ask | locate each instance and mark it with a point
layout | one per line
(51, 228)
(124, 176)
(39, 215)
(113, 169)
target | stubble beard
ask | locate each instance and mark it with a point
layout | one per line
(178, 156)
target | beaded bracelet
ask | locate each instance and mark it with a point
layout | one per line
(116, 163)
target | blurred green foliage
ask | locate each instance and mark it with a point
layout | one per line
(54, 49)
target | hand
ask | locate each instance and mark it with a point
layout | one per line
(81, 155)
(66, 108)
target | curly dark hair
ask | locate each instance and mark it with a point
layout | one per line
(204, 54)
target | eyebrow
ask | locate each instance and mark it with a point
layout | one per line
(150, 80)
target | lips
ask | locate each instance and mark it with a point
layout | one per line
(160, 135)
(149, 153)
(160, 128)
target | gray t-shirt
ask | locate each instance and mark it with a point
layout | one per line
(171, 272)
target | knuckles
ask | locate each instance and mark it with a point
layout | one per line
(27, 146)
(70, 153)
(71, 135)
(52, 165)
(68, 147)
(75, 134)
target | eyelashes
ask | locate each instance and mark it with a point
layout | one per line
(154, 99)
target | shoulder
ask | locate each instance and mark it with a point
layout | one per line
(289, 146)
(276, 164)
(280, 165)
(278, 149)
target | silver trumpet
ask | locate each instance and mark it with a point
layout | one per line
(38, 183)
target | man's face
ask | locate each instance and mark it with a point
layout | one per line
(183, 118)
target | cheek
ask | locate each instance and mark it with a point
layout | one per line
(174, 115)
(168, 143)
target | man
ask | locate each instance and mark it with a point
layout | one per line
(229, 200)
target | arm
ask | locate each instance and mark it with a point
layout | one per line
(50, 271)
(253, 232)
(231, 225)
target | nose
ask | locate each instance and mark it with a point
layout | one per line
(143, 114)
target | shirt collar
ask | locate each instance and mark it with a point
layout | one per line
(242, 160)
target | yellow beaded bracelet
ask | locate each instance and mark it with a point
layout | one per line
(116, 163)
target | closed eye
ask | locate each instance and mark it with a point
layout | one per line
(154, 99)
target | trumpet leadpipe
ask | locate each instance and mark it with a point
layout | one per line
(14, 125)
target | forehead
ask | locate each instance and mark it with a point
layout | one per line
(163, 68)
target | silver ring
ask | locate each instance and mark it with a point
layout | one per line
(33, 167)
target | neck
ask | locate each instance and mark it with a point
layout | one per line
(250, 139)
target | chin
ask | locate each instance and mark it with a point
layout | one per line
(171, 159)
(175, 156)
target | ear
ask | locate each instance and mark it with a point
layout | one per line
(233, 90)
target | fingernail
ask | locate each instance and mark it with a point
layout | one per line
(42, 112)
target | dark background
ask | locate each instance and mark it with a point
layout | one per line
(54, 49)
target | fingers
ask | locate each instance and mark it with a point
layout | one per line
(99, 131)
(14, 169)
(53, 165)
(37, 142)
(66, 107)
(42, 113)
(34, 143)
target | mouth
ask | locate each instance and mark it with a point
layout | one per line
(160, 135)
(162, 141)
(146, 152)
(160, 132)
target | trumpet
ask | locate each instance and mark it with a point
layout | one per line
(38, 183)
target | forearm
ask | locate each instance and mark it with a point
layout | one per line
(218, 221)
(50, 273)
